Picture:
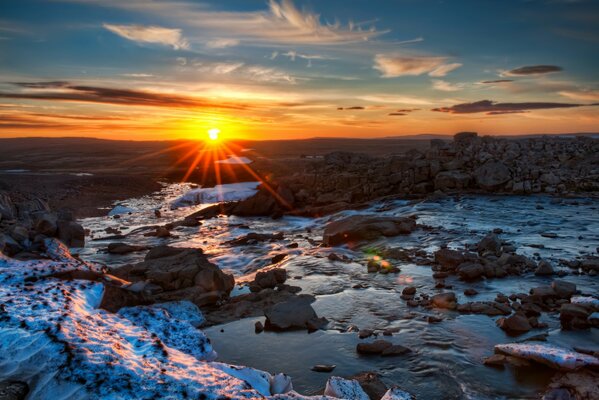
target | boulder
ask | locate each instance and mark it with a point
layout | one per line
(340, 388)
(372, 384)
(563, 289)
(544, 269)
(489, 244)
(71, 233)
(363, 227)
(492, 175)
(376, 347)
(515, 324)
(449, 259)
(490, 308)
(574, 316)
(445, 300)
(123, 248)
(447, 180)
(470, 271)
(181, 274)
(294, 313)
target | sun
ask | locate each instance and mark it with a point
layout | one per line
(213, 134)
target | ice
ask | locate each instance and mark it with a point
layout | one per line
(217, 194)
(396, 394)
(586, 301)
(118, 210)
(553, 356)
(345, 389)
(234, 160)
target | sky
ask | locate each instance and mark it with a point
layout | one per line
(282, 69)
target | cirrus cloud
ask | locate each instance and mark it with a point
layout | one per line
(533, 70)
(395, 65)
(150, 34)
(492, 108)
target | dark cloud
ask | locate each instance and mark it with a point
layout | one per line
(407, 110)
(42, 85)
(491, 107)
(507, 112)
(95, 94)
(499, 81)
(396, 114)
(535, 70)
(351, 108)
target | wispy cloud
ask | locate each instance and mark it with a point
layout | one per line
(395, 65)
(494, 81)
(492, 108)
(394, 99)
(150, 34)
(581, 95)
(445, 86)
(255, 73)
(222, 43)
(292, 55)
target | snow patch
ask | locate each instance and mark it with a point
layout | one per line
(586, 301)
(553, 356)
(118, 210)
(234, 160)
(345, 389)
(397, 394)
(217, 194)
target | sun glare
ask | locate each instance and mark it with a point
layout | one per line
(213, 133)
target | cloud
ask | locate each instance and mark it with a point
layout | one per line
(294, 54)
(222, 43)
(444, 86)
(582, 95)
(396, 114)
(493, 108)
(393, 99)
(128, 97)
(498, 81)
(533, 70)
(247, 72)
(394, 65)
(351, 108)
(281, 23)
(150, 34)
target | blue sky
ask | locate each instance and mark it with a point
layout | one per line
(280, 68)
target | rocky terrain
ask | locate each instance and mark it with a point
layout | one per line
(142, 270)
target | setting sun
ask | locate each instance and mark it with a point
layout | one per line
(213, 133)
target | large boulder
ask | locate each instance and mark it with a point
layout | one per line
(179, 274)
(363, 227)
(492, 175)
(71, 233)
(445, 300)
(294, 313)
(515, 324)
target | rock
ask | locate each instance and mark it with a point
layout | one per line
(449, 259)
(464, 138)
(258, 327)
(376, 347)
(365, 333)
(13, 390)
(344, 389)
(492, 175)
(395, 350)
(515, 324)
(123, 248)
(445, 300)
(278, 258)
(563, 289)
(496, 360)
(9, 246)
(253, 238)
(409, 291)
(489, 308)
(470, 292)
(452, 180)
(46, 224)
(371, 383)
(182, 274)
(362, 227)
(323, 368)
(269, 279)
(544, 269)
(579, 385)
(490, 244)
(294, 313)
(574, 316)
(71, 233)
(469, 271)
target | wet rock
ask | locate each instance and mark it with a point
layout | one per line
(323, 368)
(395, 350)
(9, 246)
(544, 268)
(550, 355)
(372, 384)
(470, 292)
(452, 180)
(46, 224)
(489, 244)
(489, 308)
(13, 390)
(574, 316)
(258, 327)
(408, 291)
(253, 238)
(268, 279)
(123, 248)
(365, 333)
(579, 385)
(449, 259)
(563, 289)
(361, 227)
(445, 300)
(470, 271)
(516, 324)
(294, 313)
(376, 347)
(496, 360)
(397, 394)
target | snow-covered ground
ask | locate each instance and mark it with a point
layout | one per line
(216, 194)
(54, 337)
